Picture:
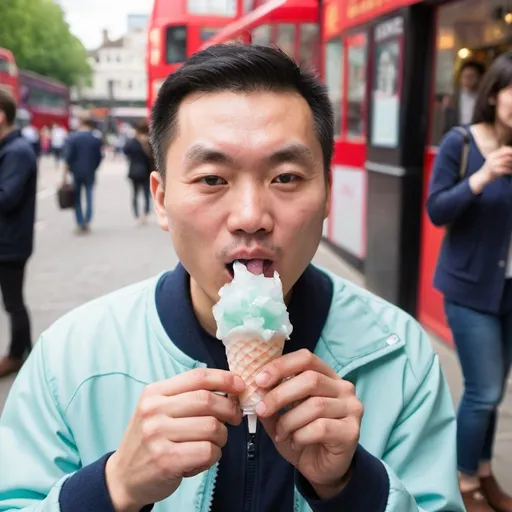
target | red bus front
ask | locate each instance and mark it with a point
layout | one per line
(177, 29)
(9, 73)
(292, 25)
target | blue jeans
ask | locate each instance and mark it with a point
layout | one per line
(484, 346)
(81, 218)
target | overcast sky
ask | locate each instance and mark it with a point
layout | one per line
(87, 18)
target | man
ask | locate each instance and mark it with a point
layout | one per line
(31, 134)
(83, 157)
(18, 174)
(127, 403)
(58, 140)
(460, 110)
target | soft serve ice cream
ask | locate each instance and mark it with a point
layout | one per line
(253, 323)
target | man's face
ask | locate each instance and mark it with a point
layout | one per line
(469, 79)
(244, 181)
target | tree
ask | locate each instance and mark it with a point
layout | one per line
(39, 37)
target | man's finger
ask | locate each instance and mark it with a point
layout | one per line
(292, 364)
(193, 404)
(309, 411)
(199, 378)
(308, 383)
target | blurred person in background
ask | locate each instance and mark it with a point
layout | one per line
(141, 164)
(459, 110)
(83, 156)
(474, 272)
(31, 134)
(18, 176)
(58, 141)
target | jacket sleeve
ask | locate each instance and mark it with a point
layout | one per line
(16, 170)
(447, 196)
(37, 449)
(421, 449)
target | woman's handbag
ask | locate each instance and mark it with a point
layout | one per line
(66, 196)
(463, 168)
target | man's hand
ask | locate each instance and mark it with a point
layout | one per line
(176, 431)
(319, 435)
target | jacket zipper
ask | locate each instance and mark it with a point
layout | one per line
(250, 473)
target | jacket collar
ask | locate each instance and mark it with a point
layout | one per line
(9, 138)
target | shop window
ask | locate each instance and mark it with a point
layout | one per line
(470, 35)
(262, 35)
(176, 44)
(334, 78)
(286, 38)
(356, 85)
(309, 45)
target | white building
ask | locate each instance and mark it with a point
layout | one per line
(119, 74)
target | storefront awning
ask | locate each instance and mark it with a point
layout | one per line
(273, 11)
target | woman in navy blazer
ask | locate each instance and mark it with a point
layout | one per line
(474, 273)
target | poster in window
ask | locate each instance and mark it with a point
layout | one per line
(386, 83)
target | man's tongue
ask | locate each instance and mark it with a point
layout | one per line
(255, 266)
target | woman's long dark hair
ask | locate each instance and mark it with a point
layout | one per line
(497, 78)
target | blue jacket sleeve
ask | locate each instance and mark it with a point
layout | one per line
(69, 151)
(368, 472)
(447, 196)
(86, 490)
(15, 173)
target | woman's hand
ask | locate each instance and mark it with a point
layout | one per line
(497, 164)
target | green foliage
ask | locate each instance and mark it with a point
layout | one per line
(36, 32)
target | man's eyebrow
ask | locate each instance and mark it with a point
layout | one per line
(199, 154)
(293, 153)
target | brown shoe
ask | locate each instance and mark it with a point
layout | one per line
(474, 501)
(9, 365)
(494, 494)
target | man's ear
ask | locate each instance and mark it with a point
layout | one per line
(157, 184)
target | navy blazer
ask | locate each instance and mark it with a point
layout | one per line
(473, 257)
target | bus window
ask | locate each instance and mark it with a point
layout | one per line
(286, 38)
(207, 33)
(356, 83)
(309, 45)
(334, 78)
(262, 35)
(176, 44)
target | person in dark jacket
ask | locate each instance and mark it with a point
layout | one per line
(83, 156)
(139, 154)
(474, 273)
(18, 175)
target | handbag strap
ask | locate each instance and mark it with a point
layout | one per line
(465, 151)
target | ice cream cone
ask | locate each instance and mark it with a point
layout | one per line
(247, 354)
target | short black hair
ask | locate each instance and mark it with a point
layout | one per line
(497, 78)
(473, 64)
(239, 68)
(8, 106)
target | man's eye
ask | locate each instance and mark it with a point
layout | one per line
(213, 181)
(284, 179)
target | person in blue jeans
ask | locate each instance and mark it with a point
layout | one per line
(472, 198)
(83, 156)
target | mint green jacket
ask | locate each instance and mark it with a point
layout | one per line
(73, 399)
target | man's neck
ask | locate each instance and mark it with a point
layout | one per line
(202, 306)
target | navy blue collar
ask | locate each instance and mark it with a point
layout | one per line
(308, 309)
(9, 138)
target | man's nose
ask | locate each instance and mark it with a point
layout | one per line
(250, 212)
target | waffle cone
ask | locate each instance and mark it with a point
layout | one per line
(247, 355)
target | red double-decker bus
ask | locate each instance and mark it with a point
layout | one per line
(9, 73)
(292, 25)
(46, 100)
(177, 29)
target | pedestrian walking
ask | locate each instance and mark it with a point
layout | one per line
(138, 402)
(18, 176)
(31, 134)
(58, 141)
(141, 164)
(470, 194)
(83, 156)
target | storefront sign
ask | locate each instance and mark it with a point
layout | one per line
(355, 12)
(348, 209)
